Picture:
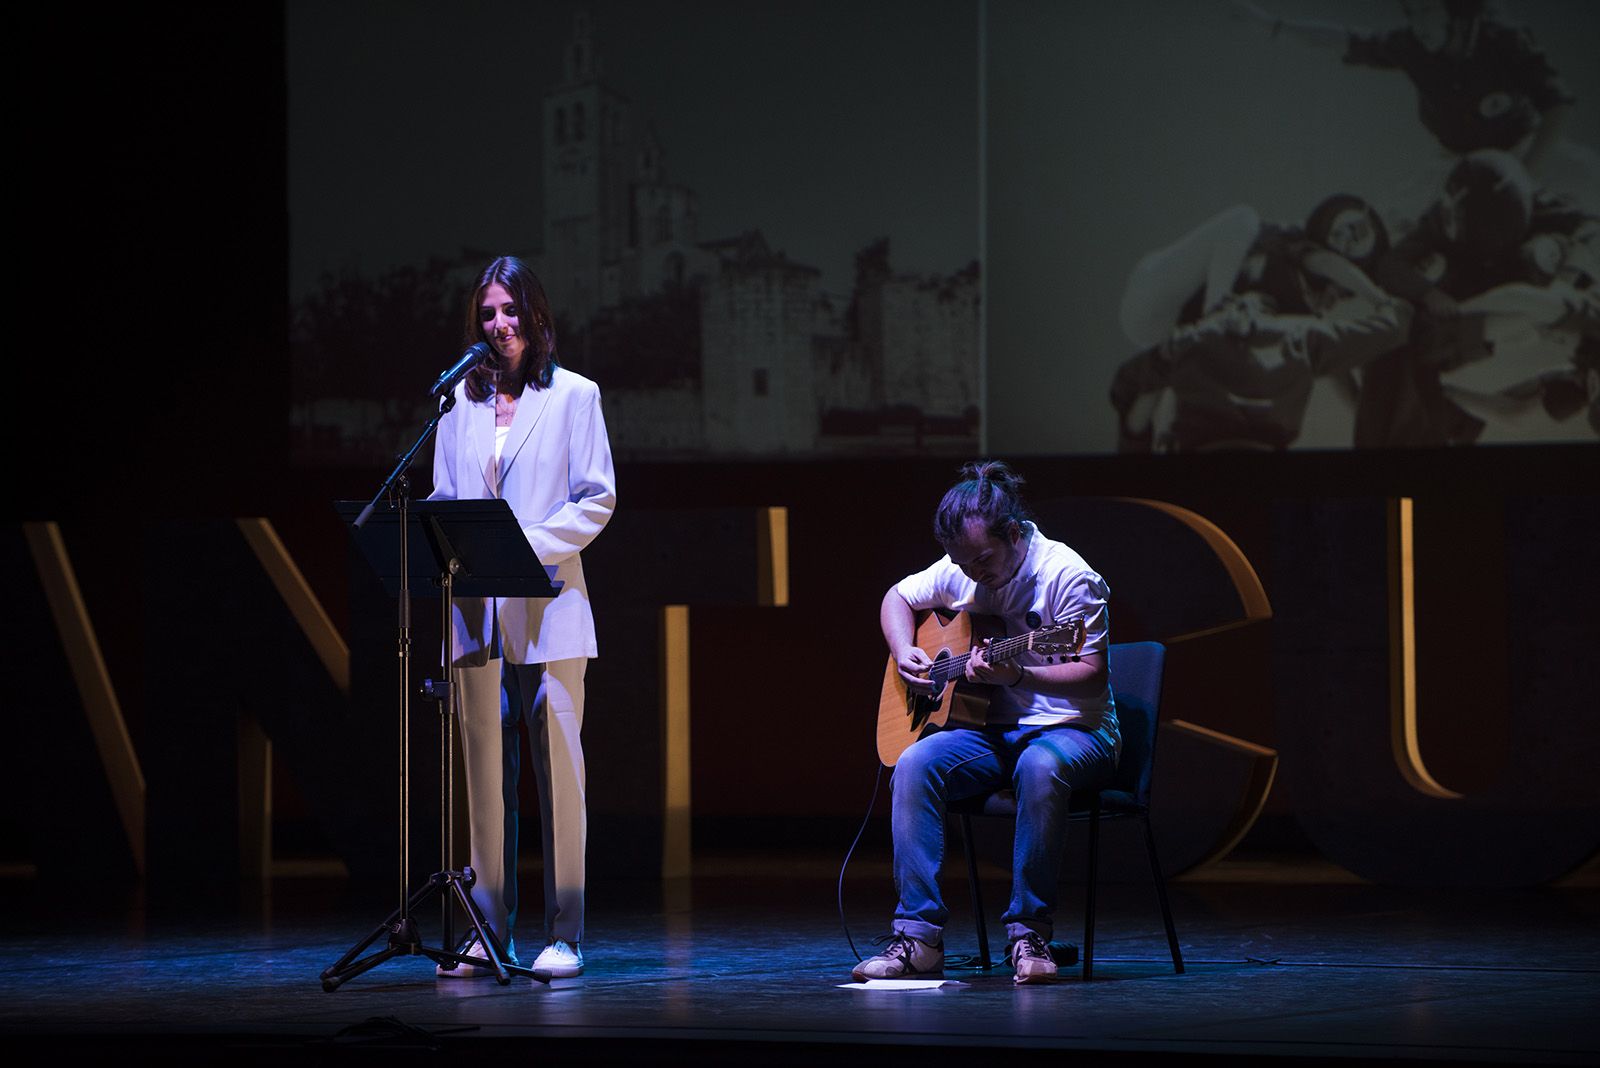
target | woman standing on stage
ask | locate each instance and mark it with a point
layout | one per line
(525, 429)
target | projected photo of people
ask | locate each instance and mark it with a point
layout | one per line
(1502, 277)
(1303, 224)
(1266, 309)
(1480, 82)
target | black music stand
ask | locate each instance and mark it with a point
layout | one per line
(473, 548)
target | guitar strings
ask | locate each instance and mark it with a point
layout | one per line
(1002, 649)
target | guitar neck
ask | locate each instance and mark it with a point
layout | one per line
(999, 651)
(1007, 648)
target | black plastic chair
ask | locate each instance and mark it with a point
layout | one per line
(1136, 674)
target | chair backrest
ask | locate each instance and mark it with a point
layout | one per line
(1136, 672)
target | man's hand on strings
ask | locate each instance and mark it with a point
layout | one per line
(914, 665)
(1005, 673)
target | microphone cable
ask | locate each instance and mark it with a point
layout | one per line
(877, 784)
(967, 961)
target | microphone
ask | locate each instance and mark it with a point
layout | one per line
(474, 355)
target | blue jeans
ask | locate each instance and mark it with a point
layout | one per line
(1041, 764)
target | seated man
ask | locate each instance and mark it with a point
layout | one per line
(1050, 727)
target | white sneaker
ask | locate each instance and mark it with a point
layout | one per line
(903, 958)
(474, 948)
(560, 960)
(1031, 958)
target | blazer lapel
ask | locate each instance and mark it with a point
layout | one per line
(529, 410)
(480, 430)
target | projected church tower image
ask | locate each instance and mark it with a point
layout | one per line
(770, 361)
(714, 345)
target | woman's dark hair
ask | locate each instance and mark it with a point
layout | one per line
(988, 491)
(533, 319)
(1320, 222)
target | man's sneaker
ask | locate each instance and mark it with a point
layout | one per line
(903, 958)
(1031, 958)
(474, 948)
(560, 960)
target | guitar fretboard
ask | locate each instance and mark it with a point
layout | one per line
(999, 651)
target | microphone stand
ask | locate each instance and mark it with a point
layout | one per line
(400, 927)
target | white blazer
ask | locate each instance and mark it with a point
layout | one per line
(555, 471)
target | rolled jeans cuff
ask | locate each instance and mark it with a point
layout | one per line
(925, 933)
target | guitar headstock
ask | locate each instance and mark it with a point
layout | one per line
(1059, 639)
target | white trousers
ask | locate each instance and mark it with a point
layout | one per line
(496, 703)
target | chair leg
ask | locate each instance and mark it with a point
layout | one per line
(977, 892)
(1089, 887)
(1161, 892)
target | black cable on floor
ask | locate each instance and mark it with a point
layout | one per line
(877, 784)
(965, 962)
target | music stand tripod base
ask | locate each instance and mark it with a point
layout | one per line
(403, 939)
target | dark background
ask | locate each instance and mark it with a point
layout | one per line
(158, 163)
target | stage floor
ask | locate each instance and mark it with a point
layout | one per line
(749, 961)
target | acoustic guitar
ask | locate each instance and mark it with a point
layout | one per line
(948, 638)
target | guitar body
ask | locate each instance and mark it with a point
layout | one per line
(903, 716)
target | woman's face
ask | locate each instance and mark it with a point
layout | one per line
(499, 319)
(1352, 235)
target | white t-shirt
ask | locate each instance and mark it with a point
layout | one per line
(1053, 585)
(493, 478)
